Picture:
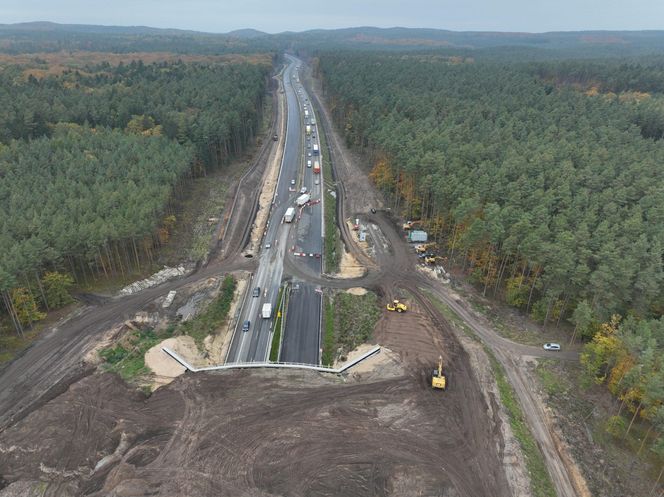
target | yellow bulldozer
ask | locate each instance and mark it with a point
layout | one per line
(438, 379)
(397, 306)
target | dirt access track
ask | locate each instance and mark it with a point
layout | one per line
(267, 432)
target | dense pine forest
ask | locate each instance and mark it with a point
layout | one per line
(91, 159)
(543, 181)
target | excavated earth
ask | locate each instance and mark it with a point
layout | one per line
(258, 433)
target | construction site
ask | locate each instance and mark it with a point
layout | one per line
(422, 417)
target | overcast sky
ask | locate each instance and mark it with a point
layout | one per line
(298, 15)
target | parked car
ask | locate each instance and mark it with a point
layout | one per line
(246, 325)
(552, 346)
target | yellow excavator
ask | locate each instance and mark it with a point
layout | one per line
(421, 249)
(438, 379)
(397, 306)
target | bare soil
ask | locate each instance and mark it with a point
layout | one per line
(254, 433)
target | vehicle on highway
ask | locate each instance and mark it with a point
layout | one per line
(316, 181)
(302, 199)
(308, 163)
(303, 189)
(256, 292)
(268, 245)
(290, 214)
(292, 182)
(552, 346)
(266, 312)
(275, 137)
(246, 325)
(308, 154)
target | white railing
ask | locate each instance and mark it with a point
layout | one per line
(282, 365)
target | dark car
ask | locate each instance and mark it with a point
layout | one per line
(246, 325)
(373, 211)
(257, 292)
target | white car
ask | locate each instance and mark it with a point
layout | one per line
(268, 245)
(308, 154)
(292, 182)
(316, 181)
(552, 346)
(308, 163)
(303, 189)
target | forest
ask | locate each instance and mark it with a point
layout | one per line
(542, 181)
(91, 159)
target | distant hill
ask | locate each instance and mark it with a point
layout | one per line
(47, 26)
(247, 33)
(49, 36)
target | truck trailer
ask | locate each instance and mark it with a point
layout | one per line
(316, 167)
(303, 199)
(315, 148)
(266, 313)
(290, 214)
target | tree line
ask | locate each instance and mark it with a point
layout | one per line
(542, 181)
(90, 161)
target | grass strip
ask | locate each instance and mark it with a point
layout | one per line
(328, 332)
(128, 359)
(332, 246)
(540, 480)
(276, 337)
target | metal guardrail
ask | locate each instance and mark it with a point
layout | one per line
(281, 365)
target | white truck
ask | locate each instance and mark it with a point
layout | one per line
(303, 199)
(267, 310)
(290, 214)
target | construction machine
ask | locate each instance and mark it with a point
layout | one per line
(433, 259)
(397, 306)
(438, 379)
(409, 225)
(422, 249)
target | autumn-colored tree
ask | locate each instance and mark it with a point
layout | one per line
(26, 306)
(56, 286)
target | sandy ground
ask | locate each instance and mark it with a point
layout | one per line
(164, 367)
(349, 267)
(268, 187)
(358, 290)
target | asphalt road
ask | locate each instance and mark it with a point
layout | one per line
(301, 340)
(304, 234)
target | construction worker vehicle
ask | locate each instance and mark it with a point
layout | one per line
(438, 379)
(397, 306)
(409, 225)
(424, 248)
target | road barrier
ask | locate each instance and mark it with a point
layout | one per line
(279, 365)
